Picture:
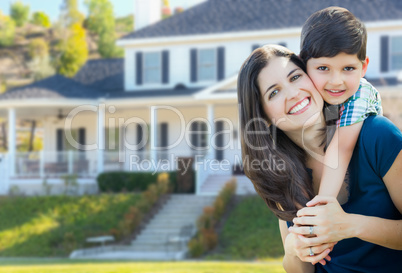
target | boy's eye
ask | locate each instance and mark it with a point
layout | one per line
(323, 68)
(273, 93)
(349, 68)
(295, 77)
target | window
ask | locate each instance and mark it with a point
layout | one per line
(396, 53)
(207, 64)
(199, 135)
(152, 67)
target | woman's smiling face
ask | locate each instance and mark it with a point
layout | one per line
(290, 99)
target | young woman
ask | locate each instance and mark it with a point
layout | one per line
(284, 134)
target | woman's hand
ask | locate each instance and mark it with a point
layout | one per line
(328, 221)
(303, 251)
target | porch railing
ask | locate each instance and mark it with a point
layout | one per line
(56, 163)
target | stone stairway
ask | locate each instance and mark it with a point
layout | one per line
(180, 210)
(214, 183)
(150, 244)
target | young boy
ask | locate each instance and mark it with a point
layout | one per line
(333, 46)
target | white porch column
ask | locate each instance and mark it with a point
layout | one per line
(154, 133)
(101, 136)
(211, 117)
(11, 140)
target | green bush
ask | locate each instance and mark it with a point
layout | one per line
(19, 12)
(7, 30)
(128, 181)
(41, 19)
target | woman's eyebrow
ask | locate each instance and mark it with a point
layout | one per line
(291, 72)
(272, 86)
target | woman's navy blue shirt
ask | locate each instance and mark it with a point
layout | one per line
(378, 145)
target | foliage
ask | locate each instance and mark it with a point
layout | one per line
(124, 24)
(19, 12)
(7, 30)
(129, 181)
(70, 14)
(52, 225)
(209, 218)
(102, 23)
(24, 142)
(101, 266)
(74, 53)
(250, 232)
(41, 19)
(41, 68)
(132, 219)
(38, 48)
(70, 184)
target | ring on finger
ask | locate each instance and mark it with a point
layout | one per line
(311, 252)
(311, 230)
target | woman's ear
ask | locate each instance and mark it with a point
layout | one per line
(365, 65)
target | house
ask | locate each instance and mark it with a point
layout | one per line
(173, 95)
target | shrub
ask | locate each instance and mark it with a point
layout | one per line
(210, 238)
(130, 181)
(207, 221)
(38, 48)
(196, 246)
(7, 30)
(41, 19)
(19, 12)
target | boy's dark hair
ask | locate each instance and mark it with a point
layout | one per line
(330, 31)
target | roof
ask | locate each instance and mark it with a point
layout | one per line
(102, 78)
(105, 74)
(220, 16)
(53, 87)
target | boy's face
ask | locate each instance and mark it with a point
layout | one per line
(337, 78)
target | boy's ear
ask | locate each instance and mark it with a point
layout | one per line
(365, 65)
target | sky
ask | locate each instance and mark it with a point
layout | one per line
(52, 7)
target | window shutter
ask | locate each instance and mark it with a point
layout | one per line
(193, 65)
(194, 138)
(221, 63)
(254, 47)
(384, 53)
(140, 135)
(164, 134)
(165, 66)
(219, 126)
(138, 67)
(81, 138)
(59, 139)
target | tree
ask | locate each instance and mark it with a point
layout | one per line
(40, 61)
(20, 13)
(70, 14)
(41, 19)
(7, 30)
(74, 52)
(102, 23)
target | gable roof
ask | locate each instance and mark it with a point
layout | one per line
(222, 16)
(102, 74)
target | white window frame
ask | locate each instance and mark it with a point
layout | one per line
(214, 65)
(392, 64)
(145, 69)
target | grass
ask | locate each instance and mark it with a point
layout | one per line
(250, 232)
(77, 266)
(55, 225)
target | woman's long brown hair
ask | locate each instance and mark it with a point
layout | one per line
(274, 163)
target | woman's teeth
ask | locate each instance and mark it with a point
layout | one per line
(299, 106)
(335, 91)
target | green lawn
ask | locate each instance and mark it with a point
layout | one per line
(250, 232)
(49, 226)
(65, 265)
